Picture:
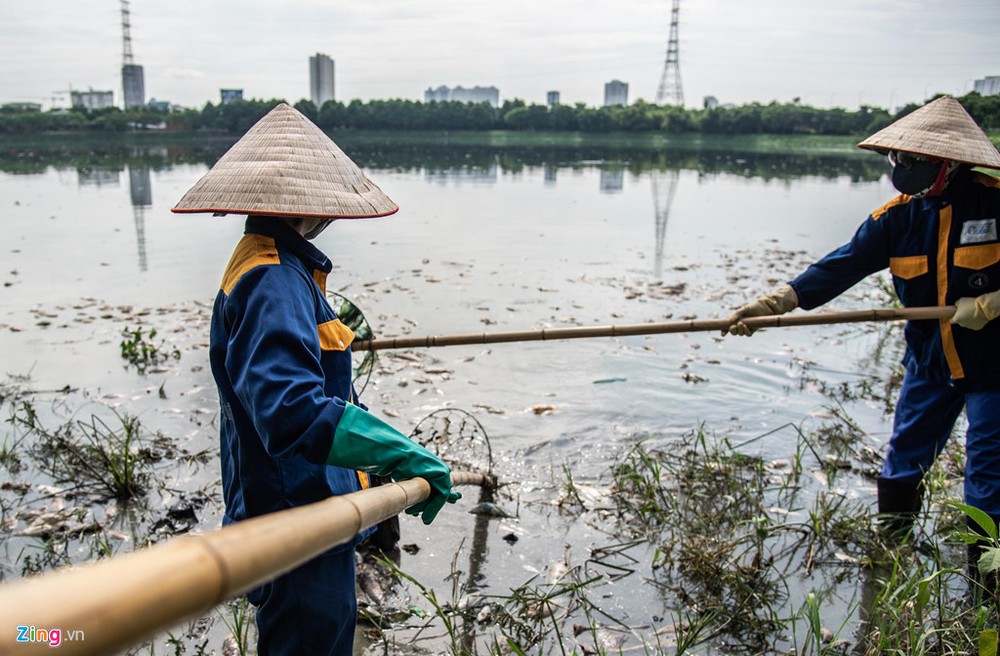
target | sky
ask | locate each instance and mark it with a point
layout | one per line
(827, 54)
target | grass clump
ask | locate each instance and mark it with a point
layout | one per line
(93, 455)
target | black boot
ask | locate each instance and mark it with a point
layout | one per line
(898, 505)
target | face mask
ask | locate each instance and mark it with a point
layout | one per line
(318, 226)
(914, 177)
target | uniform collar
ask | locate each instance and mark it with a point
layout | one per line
(283, 233)
(958, 186)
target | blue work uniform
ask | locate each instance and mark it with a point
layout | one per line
(282, 363)
(938, 250)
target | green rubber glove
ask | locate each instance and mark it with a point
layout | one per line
(364, 442)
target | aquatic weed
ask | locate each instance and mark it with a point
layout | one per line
(139, 349)
(238, 616)
(96, 457)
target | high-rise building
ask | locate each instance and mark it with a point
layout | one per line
(477, 95)
(230, 95)
(988, 86)
(321, 87)
(616, 93)
(552, 98)
(134, 85)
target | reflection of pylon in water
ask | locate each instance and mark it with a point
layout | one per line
(140, 234)
(141, 193)
(664, 188)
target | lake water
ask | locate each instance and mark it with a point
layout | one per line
(486, 240)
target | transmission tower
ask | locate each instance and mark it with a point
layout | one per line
(670, 89)
(126, 35)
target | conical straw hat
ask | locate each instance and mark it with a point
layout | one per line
(941, 128)
(286, 166)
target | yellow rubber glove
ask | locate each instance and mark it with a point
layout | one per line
(779, 301)
(974, 313)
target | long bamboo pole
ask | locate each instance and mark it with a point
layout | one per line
(105, 606)
(781, 321)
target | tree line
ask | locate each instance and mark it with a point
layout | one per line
(236, 117)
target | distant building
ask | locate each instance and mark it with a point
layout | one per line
(615, 93)
(552, 98)
(230, 95)
(22, 106)
(988, 86)
(441, 94)
(710, 102)
(91, 99)
(475, 95)
(159, 105)
(321, 79)
(134, 86)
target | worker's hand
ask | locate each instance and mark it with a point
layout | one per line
(366, 443)
(430, 468)
(974, 313)
(779, 301)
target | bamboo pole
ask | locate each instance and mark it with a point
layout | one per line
(704, 325)
(105, 606)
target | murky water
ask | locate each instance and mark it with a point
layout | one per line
(486, 240)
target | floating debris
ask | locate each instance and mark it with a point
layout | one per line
(543, 409)
(489, 510)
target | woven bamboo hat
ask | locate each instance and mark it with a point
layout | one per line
(286, 166)
(941, 128)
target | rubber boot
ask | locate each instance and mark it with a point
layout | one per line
(898, 505)
(982, 587)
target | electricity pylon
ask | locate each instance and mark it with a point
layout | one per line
(670, 89)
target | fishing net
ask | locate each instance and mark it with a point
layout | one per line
(365, 362)
(456, 437)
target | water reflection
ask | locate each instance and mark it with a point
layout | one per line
(141, 194)
(473, 173)
(102, 161)
(87, 177)
(664, 185)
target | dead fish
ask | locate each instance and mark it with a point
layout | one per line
(370, 586)
(489, 509)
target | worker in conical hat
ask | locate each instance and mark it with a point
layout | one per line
(292, 428)
(939, 239)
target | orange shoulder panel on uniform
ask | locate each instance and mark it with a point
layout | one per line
(252, 251)
(901, 199)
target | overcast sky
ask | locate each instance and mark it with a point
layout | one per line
(845, 53)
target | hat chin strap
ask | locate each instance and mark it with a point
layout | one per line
(948, 167)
